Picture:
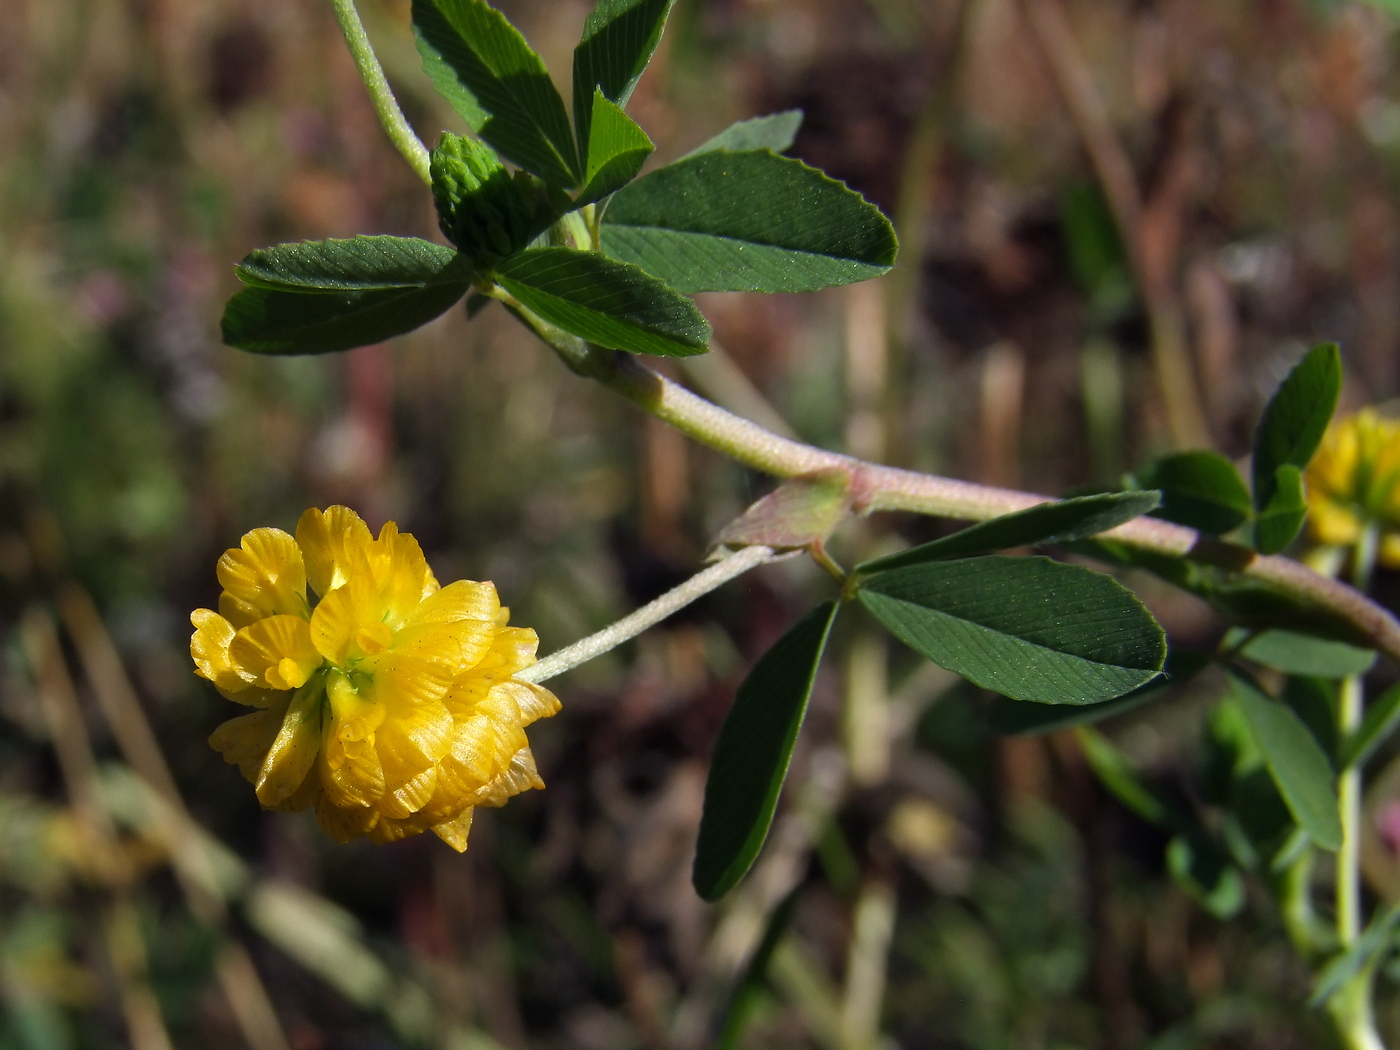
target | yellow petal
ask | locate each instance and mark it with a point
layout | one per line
(351, 774)
(513, 650)
(454, 831)
(1389, 554)
(463, 600)
(400, 572)
(276, 651)
(338, 619)
(412, 740)
(209, 648)
(411, 797)
(254, 696)
(388, 829)
(266, 572)
(294, 752)
(454, 647)
(336, 544)
(344, 823)
(520, 776)
(244, 741)
(533, 701)
(309, 794)
(238, 612)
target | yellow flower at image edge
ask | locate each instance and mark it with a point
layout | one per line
(1354, 481)
(388, 705)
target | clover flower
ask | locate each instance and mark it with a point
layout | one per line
(388, 705)
(1353, 483)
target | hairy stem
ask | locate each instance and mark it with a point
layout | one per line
(372, 73)
(648, 615)
(876, 488)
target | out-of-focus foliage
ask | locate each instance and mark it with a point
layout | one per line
(960, 888)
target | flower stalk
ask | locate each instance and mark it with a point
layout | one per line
(648, 615)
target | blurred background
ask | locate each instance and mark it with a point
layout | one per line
(955, 887)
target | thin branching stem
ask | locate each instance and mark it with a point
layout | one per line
(396, 126)
(648, 615)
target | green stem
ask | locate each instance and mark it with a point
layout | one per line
(880, 488)
(372, 73)
(1351, 1007)
(1349, 711)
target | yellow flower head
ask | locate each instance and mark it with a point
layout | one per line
(388, 705)
(1354, 481)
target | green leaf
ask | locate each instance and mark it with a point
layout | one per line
(1303, 654)
(356, 264)
(1030, 628)
(751, 757)
(1280, 520)
(1366, 951)
(1062, 521)
(1020, 718)
(606, 302)
(1295, 420)
(1382, 718)
(1296, 762)
(1117, 774)
(747, 222)
(485, 69)
(1314, 701)
(799, 512)
(775, 132)
(1204, 871)
(1200, 489)
(618, 40)
(617, 149)
(269, 321)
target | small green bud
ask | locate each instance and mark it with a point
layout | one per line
(482, 209)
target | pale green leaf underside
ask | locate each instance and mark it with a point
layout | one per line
(354, 264)
(752, 754)
(775, 131)
(605, 301)
(484, 67)
(747, 221)
(1030, 628)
